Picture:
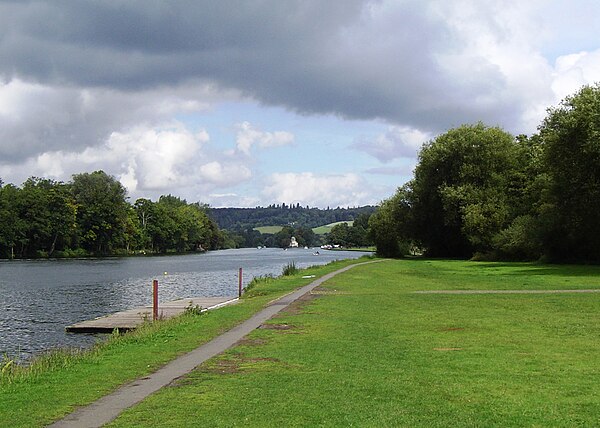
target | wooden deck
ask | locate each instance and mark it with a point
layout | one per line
(131, 318)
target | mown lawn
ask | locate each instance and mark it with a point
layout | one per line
(56, 385)
(366, 351)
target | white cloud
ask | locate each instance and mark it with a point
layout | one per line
(220, 200)
(248, 135)
(494, 62)
(397, 142)
(148, 160)
(224, 175)
(573, 71)
(311, 189)
(154, 158)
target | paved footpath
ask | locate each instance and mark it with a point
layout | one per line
(110, 406)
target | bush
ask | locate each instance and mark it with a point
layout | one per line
(519, 241)
(72, 254)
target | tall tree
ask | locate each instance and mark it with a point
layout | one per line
(48, 210)
(101, 211)
(12, 227)
(391, 227)
(571, 138)
(459, 190)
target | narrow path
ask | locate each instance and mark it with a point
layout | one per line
(110, 406)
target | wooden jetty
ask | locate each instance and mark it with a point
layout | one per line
(132, 318)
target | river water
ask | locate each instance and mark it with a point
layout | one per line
(38, 298)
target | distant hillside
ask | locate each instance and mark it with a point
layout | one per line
(321, 230)
(269, 229)
(282, 215)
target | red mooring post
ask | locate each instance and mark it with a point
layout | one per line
(155, 300)
(240, 283)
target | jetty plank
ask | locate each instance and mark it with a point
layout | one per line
(132, 318)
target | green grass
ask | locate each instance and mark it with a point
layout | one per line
(322, 230)
(269, 229)
(56, 384)
(369, 352)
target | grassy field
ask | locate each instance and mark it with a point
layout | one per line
(269, 229)
(55, 385)
(368, 351)
(322, 230)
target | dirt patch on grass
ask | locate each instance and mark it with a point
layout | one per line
(322, 292)
(235, 364)
(452, 329)
(228, 366)
(299, 306)
(251, 342)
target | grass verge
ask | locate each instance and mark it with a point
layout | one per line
(55, 384)
(367, 351)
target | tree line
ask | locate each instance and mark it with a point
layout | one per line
(239, 219)
(341, 234)
(90, 215)
(483, 193)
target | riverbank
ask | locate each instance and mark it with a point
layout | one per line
(57, 383)
(366, 350)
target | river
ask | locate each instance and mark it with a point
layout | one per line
(38, 298)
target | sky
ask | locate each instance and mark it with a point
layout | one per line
(248, 103)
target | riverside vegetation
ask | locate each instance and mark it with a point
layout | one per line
(480, 192)
(363, 349)
(91, 216)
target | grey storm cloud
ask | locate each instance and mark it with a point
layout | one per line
(313, 57)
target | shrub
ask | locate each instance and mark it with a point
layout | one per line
(290, 269)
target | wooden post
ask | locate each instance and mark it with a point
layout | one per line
(155, 300)
(240, 282)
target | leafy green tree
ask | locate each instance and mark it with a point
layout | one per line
(391, 226)
(12, 227)
(48, 211)
(522, 238)
(101, 211)
(171, 224)
(459, 190)
(283, 238)
(305, 236)
(134, 236)
(359, 232)
(339, 235)
(571, 139)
